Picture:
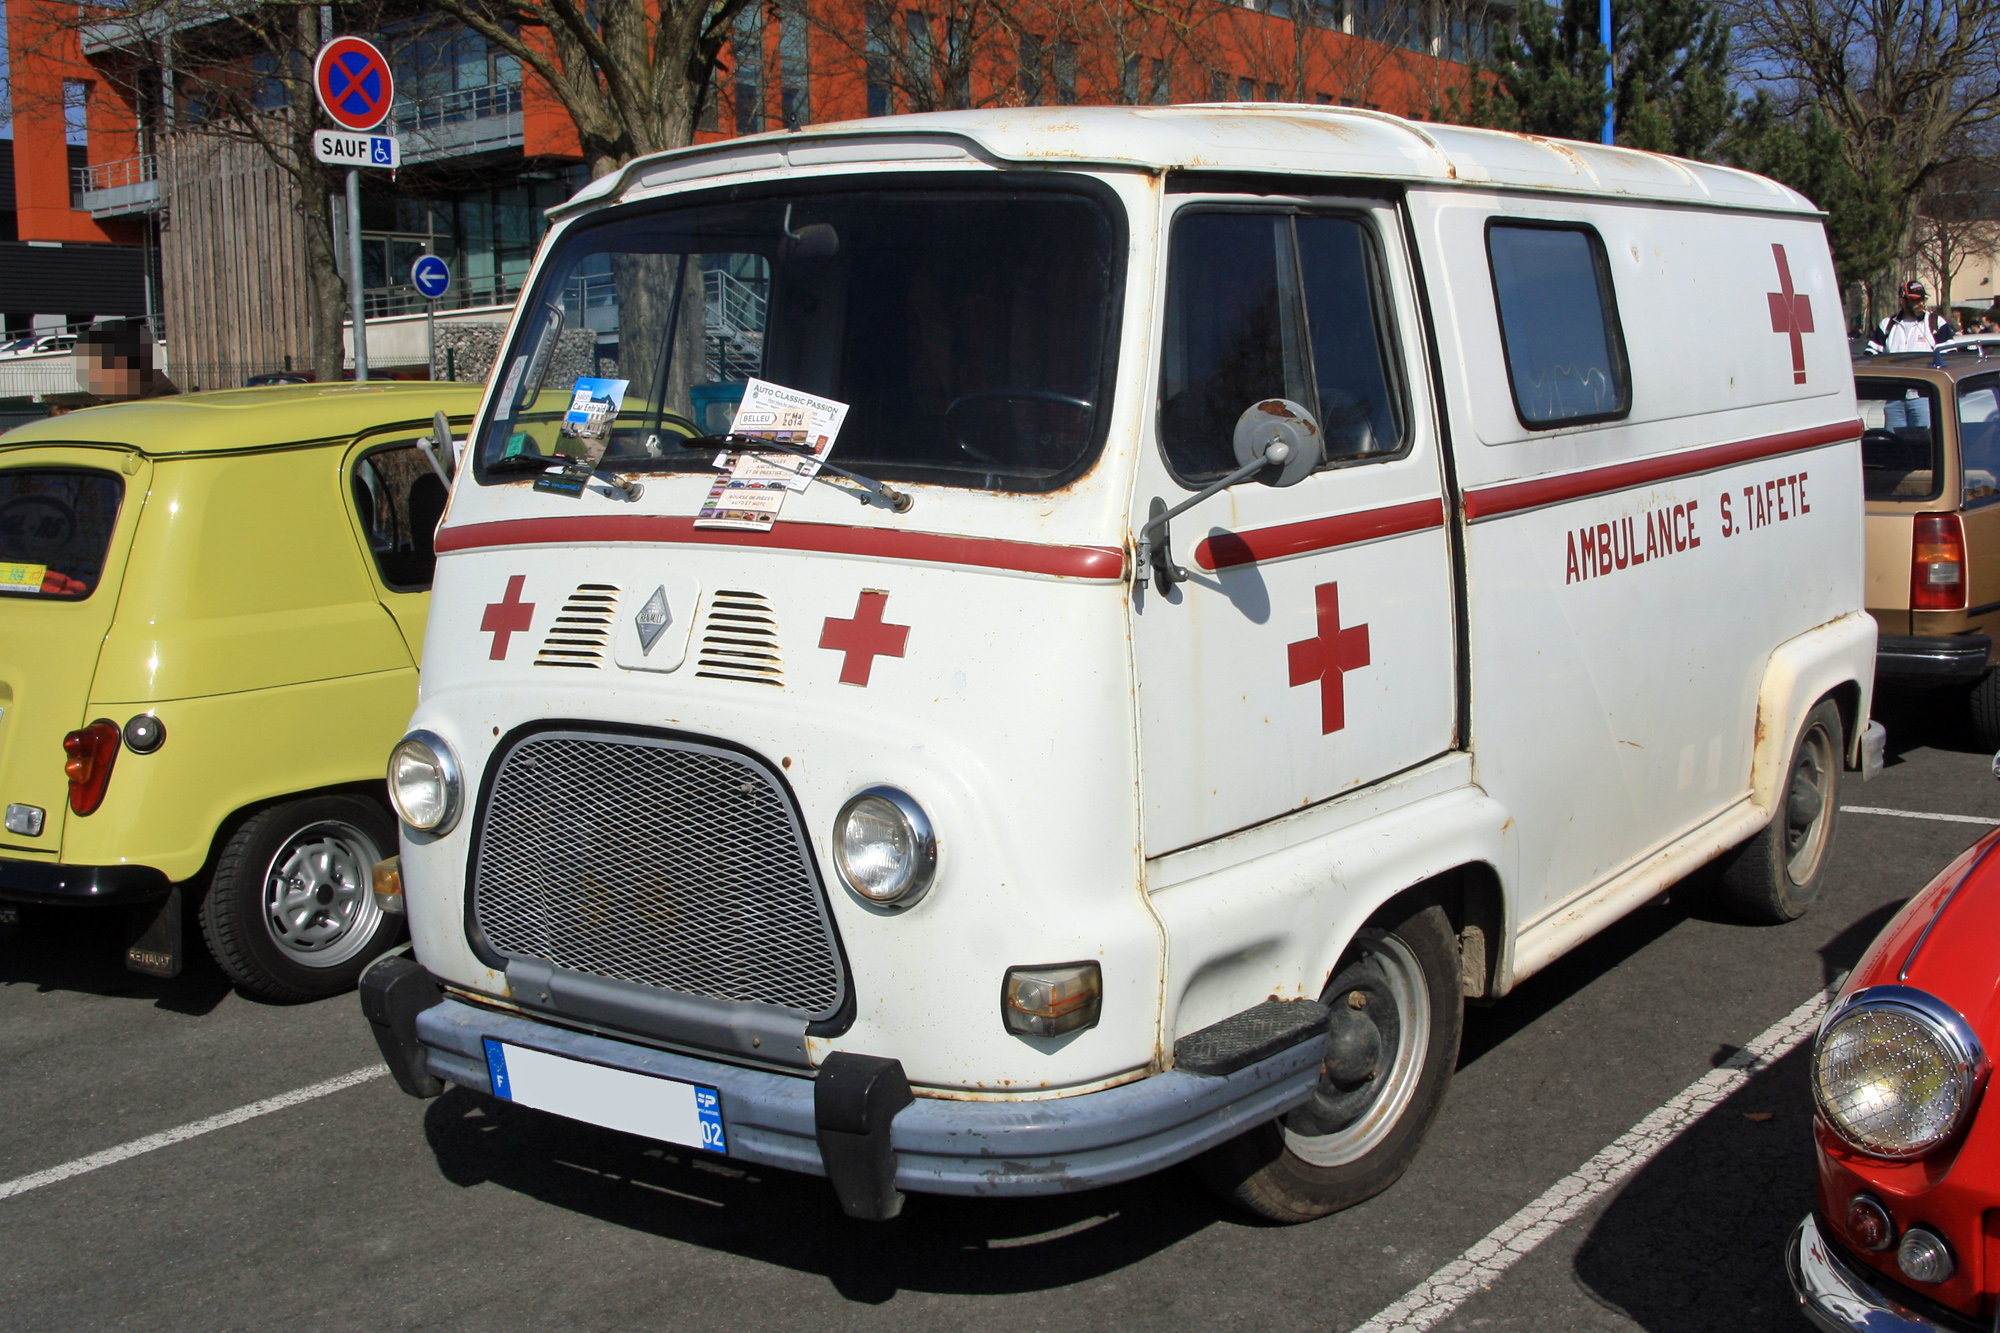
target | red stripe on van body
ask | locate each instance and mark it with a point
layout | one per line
(1493, 501)
(1073, 562)
(1226, 549)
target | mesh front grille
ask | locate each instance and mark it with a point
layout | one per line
(665, 863)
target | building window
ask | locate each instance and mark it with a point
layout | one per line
(1163, 91)
(76, 114)
(1031, 69)
(1218, 87)
(1246, 90)
(1128, 81)
(794, 64)
(1558, 323)
(750, 70)
(958, 64)
(881, 94)
(1064, 72)
(1272, 93)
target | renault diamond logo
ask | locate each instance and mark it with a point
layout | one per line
(652, 620)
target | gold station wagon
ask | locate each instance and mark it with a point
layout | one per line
(211, 614)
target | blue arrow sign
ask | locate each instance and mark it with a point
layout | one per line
(430, 276)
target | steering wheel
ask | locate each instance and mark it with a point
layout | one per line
(1040, 395)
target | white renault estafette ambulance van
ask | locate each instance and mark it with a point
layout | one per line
(1293, 570)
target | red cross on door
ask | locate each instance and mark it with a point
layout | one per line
(863, 638)
(1791, 312)
(1326, 658)
(507, 617)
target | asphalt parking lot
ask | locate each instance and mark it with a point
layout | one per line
(364, 1209)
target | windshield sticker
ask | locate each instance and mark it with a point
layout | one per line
(512, 387)
(23, 578)
(593, 406)
(752, 488)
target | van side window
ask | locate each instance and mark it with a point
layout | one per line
(1274, 304)
(400, 501)
(1899, 440)
(1558, 323)
(1979, 440)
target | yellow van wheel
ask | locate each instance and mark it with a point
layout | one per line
(1391, 1049)
(290, 913)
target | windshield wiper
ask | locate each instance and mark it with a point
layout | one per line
(528, 462)
(872, 492)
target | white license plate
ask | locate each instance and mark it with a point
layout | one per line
(656, 1108)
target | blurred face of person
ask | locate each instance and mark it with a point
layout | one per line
(106, 374)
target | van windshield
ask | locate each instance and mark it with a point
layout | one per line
(970, 330)
(55, 530)
(1899, 439)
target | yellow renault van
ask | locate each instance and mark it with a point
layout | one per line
(211, 611)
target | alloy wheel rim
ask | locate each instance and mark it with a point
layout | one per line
(318, 894)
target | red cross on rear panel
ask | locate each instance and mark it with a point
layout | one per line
(1791, 312)
(1326, 658)
(507, 617)
(863, 638)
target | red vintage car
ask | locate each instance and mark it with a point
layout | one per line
(1906, 1232)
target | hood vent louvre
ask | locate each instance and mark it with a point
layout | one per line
(582, 633)
(739, 640)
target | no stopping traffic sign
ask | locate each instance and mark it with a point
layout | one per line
(354, 84)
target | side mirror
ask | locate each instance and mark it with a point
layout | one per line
(815, 240)
(1283, 437)
(1277, 442)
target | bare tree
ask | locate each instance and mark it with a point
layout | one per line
(1904, 82)
(1957, 219)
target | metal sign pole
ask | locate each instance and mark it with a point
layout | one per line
(354, 280)
(431, 335)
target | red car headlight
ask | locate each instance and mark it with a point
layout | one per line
(1896, 1071)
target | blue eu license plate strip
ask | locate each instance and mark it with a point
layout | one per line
(656, 1108)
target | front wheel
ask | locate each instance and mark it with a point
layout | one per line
(291, 914)
(1776, 876)
(1391, 1049)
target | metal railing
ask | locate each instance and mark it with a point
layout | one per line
(115, 175)
(478, 290)
(455, 108)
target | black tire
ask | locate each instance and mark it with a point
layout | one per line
(282, 914)
(1365, 1125)
(1982, 706)
(1775, 876)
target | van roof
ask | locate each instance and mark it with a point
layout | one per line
(232, 419)
(1290, 139)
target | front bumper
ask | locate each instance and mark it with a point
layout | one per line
(1932, 659)
(1840, 1296)
(1052, 1145)
(51, 885)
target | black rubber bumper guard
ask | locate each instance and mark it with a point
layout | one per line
(48, 884)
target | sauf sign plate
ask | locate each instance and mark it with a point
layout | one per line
(339, 149)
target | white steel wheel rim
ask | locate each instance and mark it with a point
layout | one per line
(1404, 977)
(1811, 772)
(318, 898)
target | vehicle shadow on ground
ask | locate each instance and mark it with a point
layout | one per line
(1916, 719)
(83, 950)
(939, 1245)
(1653, 1256)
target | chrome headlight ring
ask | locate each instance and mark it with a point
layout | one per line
(437, 753)
(1960, 1068)
(911, 876)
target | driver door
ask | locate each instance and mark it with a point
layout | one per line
(1310, 650)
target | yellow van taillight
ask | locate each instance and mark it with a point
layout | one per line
(91, 752)
(1937, 564)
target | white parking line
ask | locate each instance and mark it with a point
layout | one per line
(1915, 814)
(1513, 1240)
(193, 1129)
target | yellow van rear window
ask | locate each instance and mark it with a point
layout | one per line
(55, 530)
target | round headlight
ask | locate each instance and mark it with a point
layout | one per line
(423, 782)
(883, 847)
(1896, 1071)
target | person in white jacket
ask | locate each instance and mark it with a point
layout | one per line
(1913, 328)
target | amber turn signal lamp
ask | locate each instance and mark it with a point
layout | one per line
(91, 753)
(1869, 1225)
(1937, 564)
(388, 884)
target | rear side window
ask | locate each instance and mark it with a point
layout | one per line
(1979, 440)
(400, 499)
(1558, 324)
(1899, 440)
(1273, 304)
(55, 530)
